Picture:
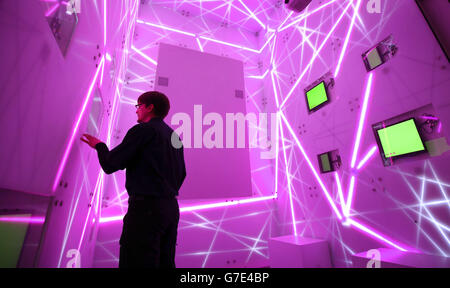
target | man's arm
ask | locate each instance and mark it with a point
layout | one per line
(119, 157)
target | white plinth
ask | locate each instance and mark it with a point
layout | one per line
(298, 252)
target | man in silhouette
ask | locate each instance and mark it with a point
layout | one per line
(155, 171)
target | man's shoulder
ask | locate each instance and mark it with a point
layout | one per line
(157, 124)
(141, 128)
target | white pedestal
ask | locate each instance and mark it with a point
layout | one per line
(392, 258)
(298, 252)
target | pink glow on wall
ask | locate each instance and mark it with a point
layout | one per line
(52, 10)
(303, 16)
(33, 220)
(283, 54)
(289, 184)
(347, 38)
(362, 119)
(316, 54)
(76, 126)
(367, 157)
(376, 235)
(143, 55)
(199, 207)
(313, 170)
(340, 192)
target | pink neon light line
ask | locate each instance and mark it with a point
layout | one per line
(199, 44)
(305, 15)
(223, 204)
(341, 194)
(316, 175)
(52, 10)
(34, 220)
(288, 177)
(267, 42)
(367, 157)
(143, 55)
(230, 44)
(429, 118)
(201, 207)
(277, 155)
(376, 235)
(165, 28)
(362, 120)
(259, 77)
(274, 89)
(206, 38)
(285, 20)
(97, 189)
(347, 38)
(316, 53)
(104, 23)
(351, 190)
(253, 15)
(75, 128)
(101, 74)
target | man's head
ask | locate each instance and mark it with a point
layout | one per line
(152, 104)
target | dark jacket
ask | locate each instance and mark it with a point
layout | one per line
(153, 166)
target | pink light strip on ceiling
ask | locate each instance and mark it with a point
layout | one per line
(230, 44)
(143, 55)
(76, 126)
(316, 53)
(305, 15)
(206, 38)
(165, 28)
(285, 20)
(252, 15)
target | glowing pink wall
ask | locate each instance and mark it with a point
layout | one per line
(46, 101)
(389, 208)
(402, 207)
(215, 237)
(404, 204)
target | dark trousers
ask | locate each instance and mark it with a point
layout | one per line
(149, 233)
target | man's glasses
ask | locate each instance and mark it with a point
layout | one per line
(137, 106)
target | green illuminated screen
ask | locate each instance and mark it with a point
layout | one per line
(374, 59)
(11, 240)
(317, 96)
(400, 139)
(325, 161)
